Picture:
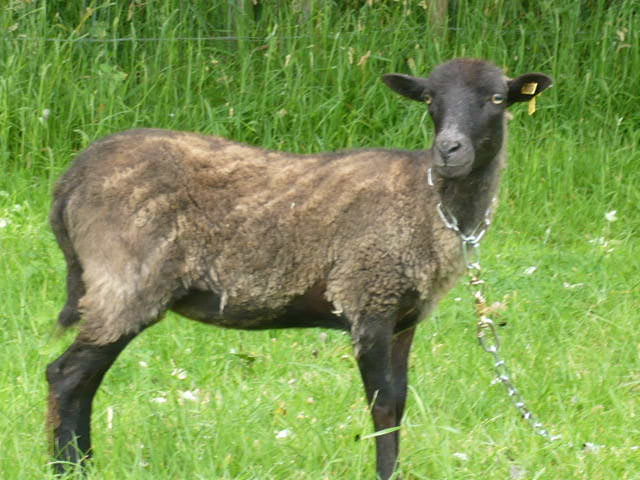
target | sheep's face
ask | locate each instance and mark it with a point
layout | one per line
(467, 100)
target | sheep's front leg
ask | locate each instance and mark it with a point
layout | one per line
(73, 380)
(373, 343)
(401, 347)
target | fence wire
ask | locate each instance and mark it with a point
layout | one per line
(254, 38)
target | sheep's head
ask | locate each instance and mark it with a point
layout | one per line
(467, 101)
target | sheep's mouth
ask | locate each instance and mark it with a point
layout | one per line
(453, 166)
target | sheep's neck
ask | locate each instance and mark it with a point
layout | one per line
(469, 199)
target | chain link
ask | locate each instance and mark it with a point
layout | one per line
(487, 332)
(489, 340)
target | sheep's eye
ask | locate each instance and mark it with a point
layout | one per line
(497, 98)
(427, 99)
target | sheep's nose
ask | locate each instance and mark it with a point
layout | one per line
(447, 147)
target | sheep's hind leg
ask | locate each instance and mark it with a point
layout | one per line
(73, 380)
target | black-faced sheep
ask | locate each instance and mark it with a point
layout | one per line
(242, 237)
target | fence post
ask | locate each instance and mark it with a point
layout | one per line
(438, 10)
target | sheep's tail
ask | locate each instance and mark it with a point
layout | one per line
(70, 313)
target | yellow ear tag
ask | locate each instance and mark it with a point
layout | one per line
(530, 89)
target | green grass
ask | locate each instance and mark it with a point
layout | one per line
(305, 80)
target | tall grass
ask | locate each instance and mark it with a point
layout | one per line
(304, 76)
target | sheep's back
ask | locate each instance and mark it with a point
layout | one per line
(257, 226)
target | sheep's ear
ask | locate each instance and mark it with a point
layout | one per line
(527, 86)
(406, 85)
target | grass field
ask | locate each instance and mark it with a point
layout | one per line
(187, 401)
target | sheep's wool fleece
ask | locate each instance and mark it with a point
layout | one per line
(155, 212)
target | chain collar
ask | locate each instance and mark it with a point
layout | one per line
(451, 222)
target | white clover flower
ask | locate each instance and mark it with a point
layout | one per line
(592, 447)
(531, 270)
(4, 222)
(286, 433)
(461, 456)
(190, 395)
(181, 373)
(517, 472)
(159, 400)
(611, 216)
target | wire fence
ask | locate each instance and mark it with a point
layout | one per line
(143, 39)
(256, 38)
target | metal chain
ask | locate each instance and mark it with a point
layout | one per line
(489, 340)
(487, 333)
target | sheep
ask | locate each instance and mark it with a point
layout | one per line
(241, 237)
